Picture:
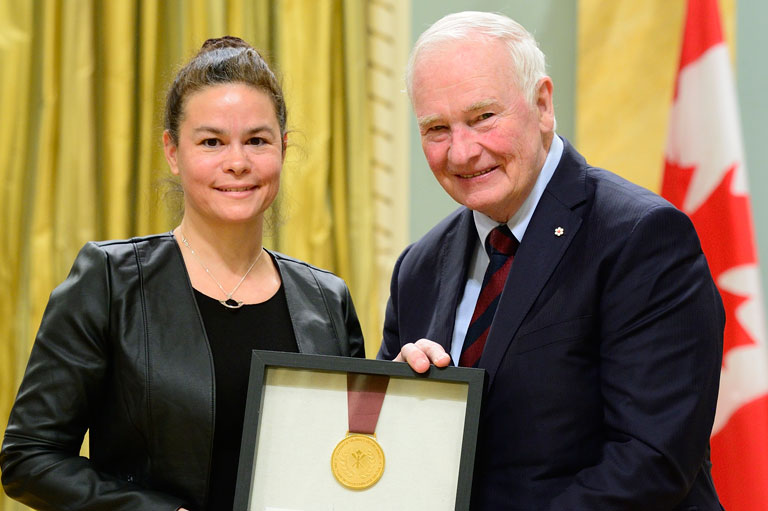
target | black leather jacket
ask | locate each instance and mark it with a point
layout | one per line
(122, 351)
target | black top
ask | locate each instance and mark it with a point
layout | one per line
(232, 334)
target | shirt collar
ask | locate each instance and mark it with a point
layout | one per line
(519, 221)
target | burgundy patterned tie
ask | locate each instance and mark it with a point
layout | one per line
(501, 246)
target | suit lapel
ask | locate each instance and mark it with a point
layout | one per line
(452, 266)
(539, 254)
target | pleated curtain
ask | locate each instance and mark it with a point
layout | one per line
(82, 86)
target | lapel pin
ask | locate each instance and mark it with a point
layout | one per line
(559, 231)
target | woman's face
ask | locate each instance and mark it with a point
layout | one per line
(229, 154)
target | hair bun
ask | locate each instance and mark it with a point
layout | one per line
(226, 41)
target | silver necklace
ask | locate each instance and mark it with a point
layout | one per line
(227, 302)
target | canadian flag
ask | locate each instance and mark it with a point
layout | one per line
(704, 175)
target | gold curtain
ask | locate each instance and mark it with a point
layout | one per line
(326, 204)
(81, 94)
(628, 53)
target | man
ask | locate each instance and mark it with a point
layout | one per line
(603, 354)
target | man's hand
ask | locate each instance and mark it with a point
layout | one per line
(421, 353)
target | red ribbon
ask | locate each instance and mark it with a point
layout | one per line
(365, 395)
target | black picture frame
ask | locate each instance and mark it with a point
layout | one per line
(269, 366)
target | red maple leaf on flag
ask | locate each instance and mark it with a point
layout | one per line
(705, 177)
(723, 223)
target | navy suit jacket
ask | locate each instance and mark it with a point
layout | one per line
(604, 356)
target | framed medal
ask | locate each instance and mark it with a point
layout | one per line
(339, 433)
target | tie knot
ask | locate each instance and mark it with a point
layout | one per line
(502, 241)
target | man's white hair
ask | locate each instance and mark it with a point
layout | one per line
(527, 59)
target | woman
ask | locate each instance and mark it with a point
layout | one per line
(147, 342)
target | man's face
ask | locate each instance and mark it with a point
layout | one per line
(484, 141)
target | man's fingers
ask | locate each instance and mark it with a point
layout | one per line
(420, 354)
(415, 357)
(434, 352)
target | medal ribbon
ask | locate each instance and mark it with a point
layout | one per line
(365, 395)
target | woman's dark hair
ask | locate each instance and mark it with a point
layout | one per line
(222, 60)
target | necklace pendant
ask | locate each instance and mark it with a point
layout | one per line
(231, 303)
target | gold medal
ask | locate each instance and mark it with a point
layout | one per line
(357, 462)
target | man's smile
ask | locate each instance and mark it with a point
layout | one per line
(479, 173)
